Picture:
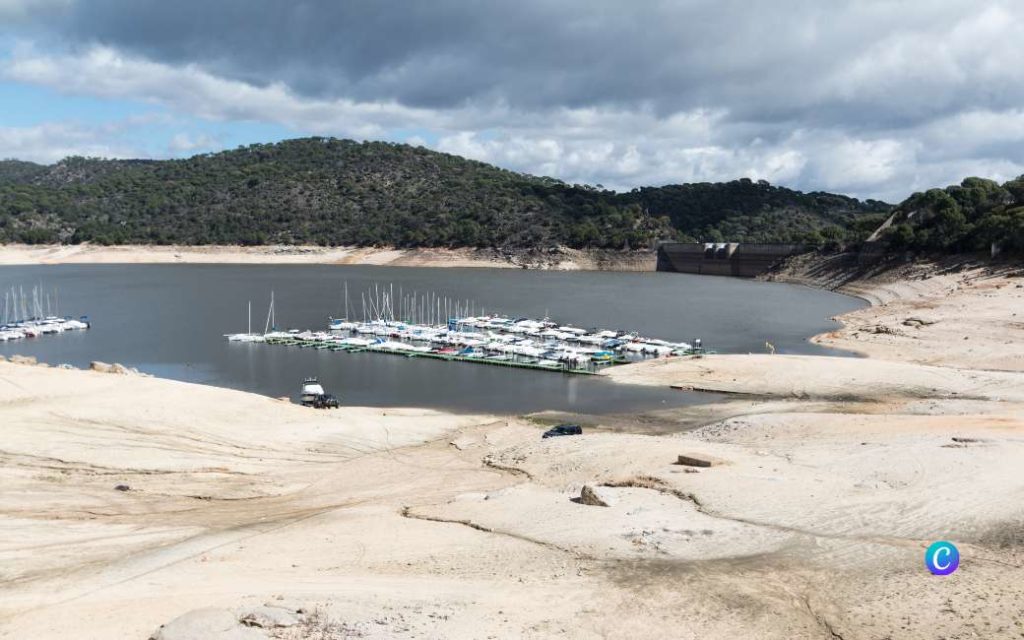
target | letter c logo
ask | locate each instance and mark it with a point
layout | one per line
(942, 558)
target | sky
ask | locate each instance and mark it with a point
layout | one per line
(871, 98)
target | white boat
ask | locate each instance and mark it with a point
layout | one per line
(311, 390)
(337, 324)
(248, 336)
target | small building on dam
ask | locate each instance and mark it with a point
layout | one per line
(739, 259)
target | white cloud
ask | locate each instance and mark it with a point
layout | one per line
(50, 142)
(924, 68)
(184, 144)
(103, 72)
(617, 146)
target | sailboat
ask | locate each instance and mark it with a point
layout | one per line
(248, 336)
(271, 330)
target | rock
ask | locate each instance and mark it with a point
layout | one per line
(24, 360)
(103, 367)
(122, 487)
(918, 322)
(269, 617)
(207, 624)
(596, 496)
(3, 359)
(64, 365)
(690, 461)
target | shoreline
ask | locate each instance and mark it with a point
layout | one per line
(561, 259)
(958, 312)
(815, 496)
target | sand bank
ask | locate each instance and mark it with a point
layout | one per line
(957, 312)
(414, 523)
(563, 259)
(972, 317)
(827, 483)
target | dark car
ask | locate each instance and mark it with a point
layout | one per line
(326, 401)
(563, 430)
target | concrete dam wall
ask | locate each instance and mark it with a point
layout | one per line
(744, 260)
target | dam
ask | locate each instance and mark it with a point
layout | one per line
(737, 259)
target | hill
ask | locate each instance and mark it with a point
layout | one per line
(339, 192)
(968, 217)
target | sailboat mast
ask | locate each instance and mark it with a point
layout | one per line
(270, 314)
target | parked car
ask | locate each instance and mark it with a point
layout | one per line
(563, 430)
(326, 401)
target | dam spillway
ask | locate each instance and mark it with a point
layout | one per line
(737, 259)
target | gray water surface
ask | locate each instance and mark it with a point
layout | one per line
(169, 320)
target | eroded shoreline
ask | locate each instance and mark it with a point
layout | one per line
(827, 482)
(562, 259)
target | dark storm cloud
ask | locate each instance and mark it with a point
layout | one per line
(767, 61)
(871, 97)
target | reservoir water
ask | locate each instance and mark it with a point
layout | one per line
(169, 320)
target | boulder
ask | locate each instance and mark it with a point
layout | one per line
(918, 322)
(690, 461)
(117, 368)
(269, 617)
(596, 496)
(24, 360)
(207, 624)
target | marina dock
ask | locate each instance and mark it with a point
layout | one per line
(497, 340)
(34, 314)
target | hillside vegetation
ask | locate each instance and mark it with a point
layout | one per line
(967, 217)
(338, 192)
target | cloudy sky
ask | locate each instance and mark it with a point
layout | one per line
(875, 98)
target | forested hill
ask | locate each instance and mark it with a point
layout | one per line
(969, 217)
(338, 192)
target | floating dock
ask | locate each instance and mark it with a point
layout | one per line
(517, 342)
(521, 344)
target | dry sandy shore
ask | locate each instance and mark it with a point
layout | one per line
(829, 480)
(563, 259)
(969, 317)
